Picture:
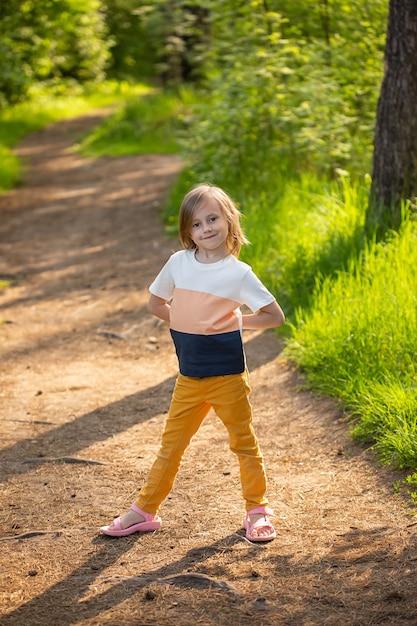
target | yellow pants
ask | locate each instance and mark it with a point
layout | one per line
(191, 401)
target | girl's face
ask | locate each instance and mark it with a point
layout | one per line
(209, 230)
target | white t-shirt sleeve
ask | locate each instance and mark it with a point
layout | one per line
(163, 285)
(254, 293)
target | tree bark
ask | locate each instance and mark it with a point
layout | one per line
(394, 170)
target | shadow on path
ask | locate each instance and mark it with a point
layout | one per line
(100, 424)
(324, 599)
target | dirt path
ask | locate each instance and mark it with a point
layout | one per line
(86, 375)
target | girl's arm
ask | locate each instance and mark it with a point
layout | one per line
(267, 317)
(159, 307)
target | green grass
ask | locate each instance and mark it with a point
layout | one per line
(306, 229)
(46, 106)
(145, 125)
(10, 168)
(358, 342)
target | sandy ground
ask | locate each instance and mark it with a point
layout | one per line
(86, 377)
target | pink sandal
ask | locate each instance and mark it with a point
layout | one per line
(264, 523)
(152, 522)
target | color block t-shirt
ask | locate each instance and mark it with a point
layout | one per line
(205, 316)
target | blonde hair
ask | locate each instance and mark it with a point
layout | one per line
(194, 199)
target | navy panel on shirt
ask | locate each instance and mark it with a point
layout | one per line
(209, 355)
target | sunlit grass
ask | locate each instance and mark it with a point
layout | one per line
(145, 125)
(358, 342)
(10, 168)
(305, 229)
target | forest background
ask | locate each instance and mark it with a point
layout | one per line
(276, 102)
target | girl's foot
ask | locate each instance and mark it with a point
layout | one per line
(261, 530)
(133, 521)
(258, 525)
(128, 519)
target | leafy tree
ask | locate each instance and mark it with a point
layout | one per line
(394, 172)
(50, 40)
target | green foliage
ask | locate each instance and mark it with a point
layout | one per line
(158, 38)
(54, 40)
(308, 102)
(387, 418)
(411, 480)
(135, 42)
(180, 31)
(356, 21)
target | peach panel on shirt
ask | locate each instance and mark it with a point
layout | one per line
(201, 313)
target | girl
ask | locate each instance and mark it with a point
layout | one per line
(199, 293)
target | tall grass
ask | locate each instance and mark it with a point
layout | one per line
(308, 228)
(358, 341)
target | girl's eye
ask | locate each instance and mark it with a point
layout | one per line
(196, 225)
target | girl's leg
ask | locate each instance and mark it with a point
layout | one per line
(187, 411)
(229, 396)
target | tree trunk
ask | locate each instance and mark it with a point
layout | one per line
(394, 170)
